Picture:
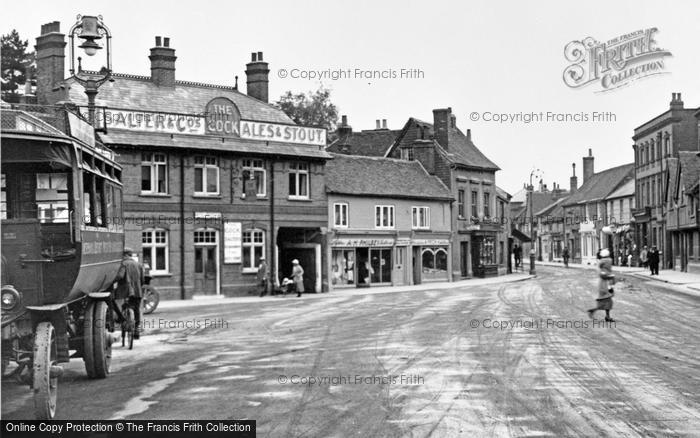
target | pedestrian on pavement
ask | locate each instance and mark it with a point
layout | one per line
(298, 277)
(129, 279)
(262, 276)
(518, 254)
(606, 279)
(653, 260)
(643, 257)
(565, 255)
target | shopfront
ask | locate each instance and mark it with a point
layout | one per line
(362, 262)
(432, 255)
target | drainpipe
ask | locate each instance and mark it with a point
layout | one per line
(272, 257)
(183, 294)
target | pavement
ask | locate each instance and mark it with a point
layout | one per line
(205, 300)
(479, 358)
(685, 282)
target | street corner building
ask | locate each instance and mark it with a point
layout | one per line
(214, 179)
(389, 223)
(479, 235)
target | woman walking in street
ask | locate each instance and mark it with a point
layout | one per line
(298, 277)
(605, 290)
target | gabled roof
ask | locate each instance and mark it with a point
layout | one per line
(549, 209)
(382, 177)
(503, 194)
(601, 184)
(690, 169)
(139, 93)
(461, 150)
(370, 143)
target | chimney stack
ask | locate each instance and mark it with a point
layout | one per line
(163, 63)
(676, 102)
(441, 125)
(573, 180)
(588, 170)
(50, 63)
(344, 129)
(257, 81)
(469, 135)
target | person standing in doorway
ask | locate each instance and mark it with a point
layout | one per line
(298, 277)
(565, 255)
(262, 276)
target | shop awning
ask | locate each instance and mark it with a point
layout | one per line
(519, 235)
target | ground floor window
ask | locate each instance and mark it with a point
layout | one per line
(434, 263)
(343, 267)
(381, 266)
(487, 251)
(154, 245)
(253, 249)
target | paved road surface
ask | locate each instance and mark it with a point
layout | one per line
(519, 359)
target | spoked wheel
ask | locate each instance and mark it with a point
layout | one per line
(46, 372)
(128, 327)
(97, 341)
(150, 299)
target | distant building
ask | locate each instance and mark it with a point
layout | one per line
(682, 215)
(383, 231)
(585, 211)
(368, 142)
(656, 141)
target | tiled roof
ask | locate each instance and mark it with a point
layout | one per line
(208, 143)
(690, 168)
(626, 189)
(382, 177)
(460, 150)
(139, 93)
(549, 209)
(370, 143)
(601, 184)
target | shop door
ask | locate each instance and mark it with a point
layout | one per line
(205, 270)
(206, 264)
(476, 245)
(380, 261)
(417, 263)
(463, 258)
(399, 266)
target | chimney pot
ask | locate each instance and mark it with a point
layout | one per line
(253, 57)
(260, 56)
(469, 134)
(384, 124)
(345, 120)
(378, 124)
(166, 42)
(158, 44)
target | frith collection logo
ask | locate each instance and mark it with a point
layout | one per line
(615, 63)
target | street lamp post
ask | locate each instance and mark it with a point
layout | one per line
(90, 30)
(530, 190)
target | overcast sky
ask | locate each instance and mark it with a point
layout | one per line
(477, 56)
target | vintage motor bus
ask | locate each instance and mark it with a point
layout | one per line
(62, 245)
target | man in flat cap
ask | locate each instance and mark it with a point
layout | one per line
(129, 280)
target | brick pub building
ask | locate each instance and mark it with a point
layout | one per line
(214, 179)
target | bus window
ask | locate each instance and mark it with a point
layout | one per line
(99, 201)
(88, 200)
(52, 197)
(3, 199)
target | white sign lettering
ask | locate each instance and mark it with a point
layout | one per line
(282, 133)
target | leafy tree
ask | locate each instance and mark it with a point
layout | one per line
(311, 109)
(15, 62)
